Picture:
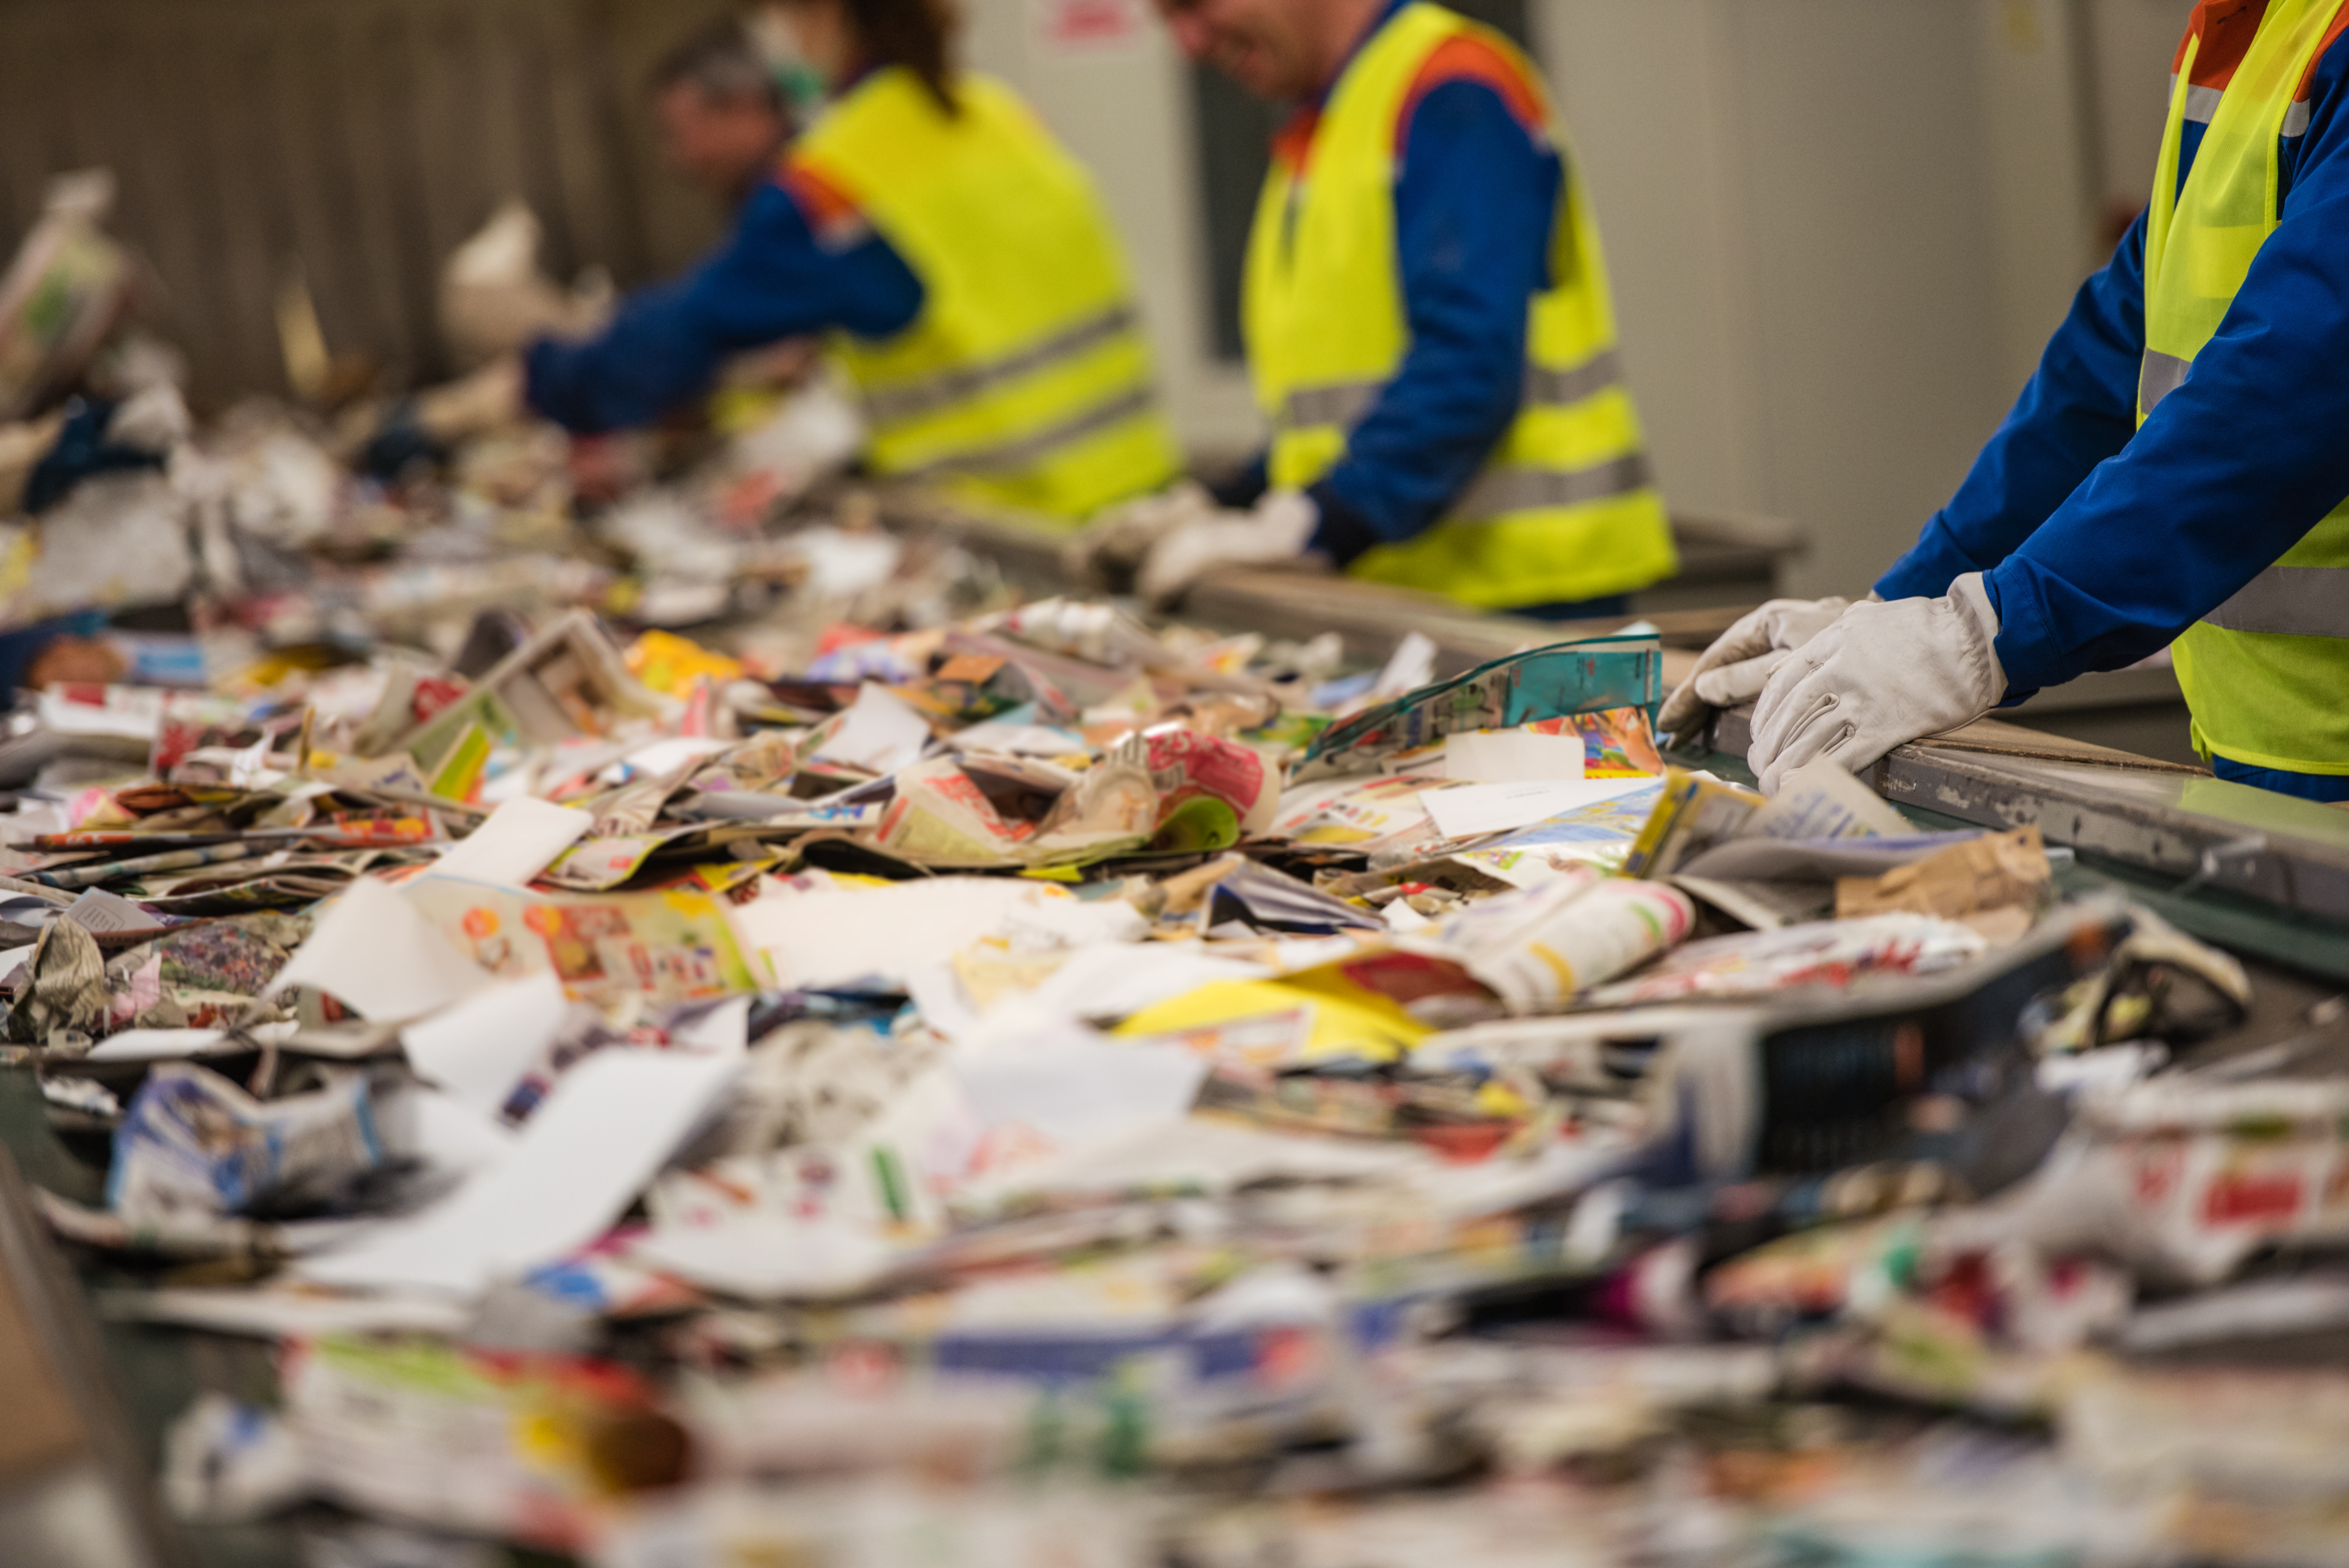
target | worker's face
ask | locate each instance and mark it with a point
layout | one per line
(823, 35)
(722, 144)
(1266, 45)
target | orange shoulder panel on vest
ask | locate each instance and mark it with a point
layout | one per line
(2226, 28)
(2332, 35)
(1473, 57)
(830, 213)
(1293, 144)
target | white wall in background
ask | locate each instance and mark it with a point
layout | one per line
(2135, 42)
(1841, 232)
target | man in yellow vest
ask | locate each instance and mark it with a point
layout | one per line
(2174, 475)
(960, 261)
(1428, 322)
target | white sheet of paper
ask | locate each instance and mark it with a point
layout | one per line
(608, 1125)
(98, 910)
(1409, 667)
(520, 840)
(833, 935)
(282, 1313)
(175, 1045)
(478, 1049)
(1104, 980)
(1821, 801)
(155, 1045)
(1472, 808)
(452, 1136)
(659, 758)
(770, 1257)
(1072, 1085)
(1513, 757)
(381, 958)
(882, 732)
(722, 1030)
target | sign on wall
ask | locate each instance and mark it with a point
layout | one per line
(1090, 26)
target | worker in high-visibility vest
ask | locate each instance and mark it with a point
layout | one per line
(2173, 476)
(960, 261)
(1428, 324)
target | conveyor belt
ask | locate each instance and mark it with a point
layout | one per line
(2172, 823)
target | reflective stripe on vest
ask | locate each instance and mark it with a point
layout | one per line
(2161, 375)
(1012, 456)
(2265, 672)
(912, 400)
(2202, 103)
(1498, 492)
(1024, 378)
(1346, 404)
(1564, 507)
(2289, 602)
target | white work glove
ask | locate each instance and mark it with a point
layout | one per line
(1884, 673)
(1114, 545)
(1743, 659)
(1277, 531)
(489, 398)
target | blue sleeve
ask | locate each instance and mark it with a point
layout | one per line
(773, 278)
(2079, 410)
(1475, 205)
(2231, 471)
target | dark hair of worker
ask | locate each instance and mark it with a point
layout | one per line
(918, 35)
(722, 64)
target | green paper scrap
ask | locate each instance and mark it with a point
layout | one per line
(1200, 825)
(461, 769)
(1586, 677)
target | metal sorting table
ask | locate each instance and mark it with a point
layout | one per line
(2265, 876)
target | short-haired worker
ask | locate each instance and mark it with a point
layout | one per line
(721, 114)
(959, 260)
(1428, 324)
(2173, 476)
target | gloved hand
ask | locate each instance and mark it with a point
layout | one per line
(1743, 659)
(1113, 546)
(140, 432)
(422, 429)
(1884, 673)
(1276, 530)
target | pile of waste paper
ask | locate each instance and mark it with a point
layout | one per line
(707, 1031)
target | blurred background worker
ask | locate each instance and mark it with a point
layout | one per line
(1429, 326)
(2173, 476)
(961, 260)
(720, 106)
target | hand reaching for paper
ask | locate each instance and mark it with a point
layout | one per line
(1882, 674)
(1743, 659)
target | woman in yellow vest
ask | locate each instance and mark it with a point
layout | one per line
(2174, 475)
(1428, 322)
(959, 260)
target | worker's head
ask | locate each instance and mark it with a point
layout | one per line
(1276, 49)
(843, 39)
(720, 109)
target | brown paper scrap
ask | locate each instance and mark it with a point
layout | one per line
(1995, 883)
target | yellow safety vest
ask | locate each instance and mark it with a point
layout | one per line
(1026, 380)
(2267, 673)
(1565, 508)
